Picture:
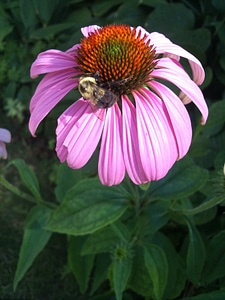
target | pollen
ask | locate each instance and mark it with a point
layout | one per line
(120, 55)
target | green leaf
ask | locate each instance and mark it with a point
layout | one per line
(219, 5)
(50, 31)
(129, 13)
(105, 239)
(100, 241)
(216, 114)
(5, 28)
(81, 266)
(176, 273)
(88, 207)
(207, 204)
(183, 180)
(140, 282)
(34, 240)
(153, 3)
(27, 13)
(195, 255)
(45, 9)
(66, 179)
(121, 271)
(215, 252)
(156, 263)
(100, 271)
(170, 17)
(155, 215)
(215, 295)
(199, 146)
(100, 7)
(28, 177)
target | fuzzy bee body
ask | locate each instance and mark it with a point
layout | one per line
(98, 96)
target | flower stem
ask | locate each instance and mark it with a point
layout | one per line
(21, 194)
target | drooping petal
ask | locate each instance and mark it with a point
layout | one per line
(78, 133)
(168, 70)
(89, 29)
(73, 50)
(52, 88)
(130, 141)
(164, 46)
(111, 166)
(178, 115)
(5, 135)
(158, 148)
(52, 61)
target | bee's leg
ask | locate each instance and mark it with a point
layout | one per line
(97, 77)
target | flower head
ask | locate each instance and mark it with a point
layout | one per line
(142, 125)
(5, 137)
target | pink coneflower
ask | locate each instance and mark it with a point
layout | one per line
(147, 129)
(5, 137)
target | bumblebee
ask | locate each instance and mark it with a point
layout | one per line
(100, 97)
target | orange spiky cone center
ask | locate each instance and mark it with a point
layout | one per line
(118, 54)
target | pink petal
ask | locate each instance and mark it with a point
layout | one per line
(52, 61)
(78, 134)
(3, 151)
(157, 145)
(5, 135)
(176, 112)
(73, 50)
(111, 167)
(132, 159)
(52, 88)
(170, 71)
(164, 46)
(89, 29)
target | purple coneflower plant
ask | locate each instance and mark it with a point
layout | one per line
(5, 137)
(142, 125)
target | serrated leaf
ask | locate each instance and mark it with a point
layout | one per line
(81, 266)
(183, 180)
(34, 240)
(28, 177)
(88, 207)
(121, 271)
(156, 263)
(215, 252)
(195, 255)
